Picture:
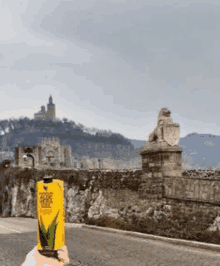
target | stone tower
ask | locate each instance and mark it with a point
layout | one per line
(51, 109)
(46, 115)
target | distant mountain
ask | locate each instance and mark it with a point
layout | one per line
(137, 143)
(199, 150)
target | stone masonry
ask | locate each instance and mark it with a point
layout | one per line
(49, 153)
(161, 156)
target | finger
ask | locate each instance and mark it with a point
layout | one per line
(46, 260)
(63, 255)
(42, 260)
(64, 248)
(34, 257)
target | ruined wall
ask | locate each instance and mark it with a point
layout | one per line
(67, 155)
(20, 152)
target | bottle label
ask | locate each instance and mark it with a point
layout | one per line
(50, 209)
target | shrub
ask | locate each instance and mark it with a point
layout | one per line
(177, 226)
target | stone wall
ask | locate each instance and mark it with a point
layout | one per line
(195, 189)
(189, 207)
(116, 194)
(20, 152)
(202, 174)
(82, 190)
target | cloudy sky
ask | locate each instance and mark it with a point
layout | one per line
(113, 64)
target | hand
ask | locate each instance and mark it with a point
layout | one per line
(34, 258)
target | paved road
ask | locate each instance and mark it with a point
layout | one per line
(90, 247)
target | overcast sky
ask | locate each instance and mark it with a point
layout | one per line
(113, 64)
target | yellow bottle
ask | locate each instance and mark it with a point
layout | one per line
(51, 216)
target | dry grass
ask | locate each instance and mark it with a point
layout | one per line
(178, 225)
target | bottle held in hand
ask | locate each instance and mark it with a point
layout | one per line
(51, 216)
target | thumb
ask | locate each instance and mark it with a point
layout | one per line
(44, 261)
(63, 255)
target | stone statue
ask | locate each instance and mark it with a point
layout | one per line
(166, 131)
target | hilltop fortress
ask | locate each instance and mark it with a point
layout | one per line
(46, 115)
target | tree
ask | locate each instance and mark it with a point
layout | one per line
(81, 126)
(4, 143)
(64, 120)
(11, 125)
(94, 130)
(21, 123)
(88, 130)
(26, 119)
(72, 124)
(4, 125)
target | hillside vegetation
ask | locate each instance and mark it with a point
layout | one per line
(83, 141)
(199, 150)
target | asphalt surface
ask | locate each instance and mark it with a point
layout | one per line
(91, 247)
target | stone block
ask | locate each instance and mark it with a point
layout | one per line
(159, 174)
(175, 173)
(144, 160)
(144, 177)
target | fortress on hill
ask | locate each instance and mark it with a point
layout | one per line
(46, 115)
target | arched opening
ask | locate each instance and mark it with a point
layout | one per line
(31, 156)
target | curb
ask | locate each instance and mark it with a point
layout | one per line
(69, 225)
(195, 244)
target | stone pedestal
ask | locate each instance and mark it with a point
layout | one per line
(159, 161)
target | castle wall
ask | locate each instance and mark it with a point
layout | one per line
(62, 157)
(17, 156)
(19, 161)
(20, 157)
(40, 162)
(36, 156)
(68, 155)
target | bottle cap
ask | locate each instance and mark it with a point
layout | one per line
(48, 176)
(48, 179)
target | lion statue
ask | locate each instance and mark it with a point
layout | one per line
(163, 118)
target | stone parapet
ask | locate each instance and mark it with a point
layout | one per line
(155, 148)
(166, 160)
